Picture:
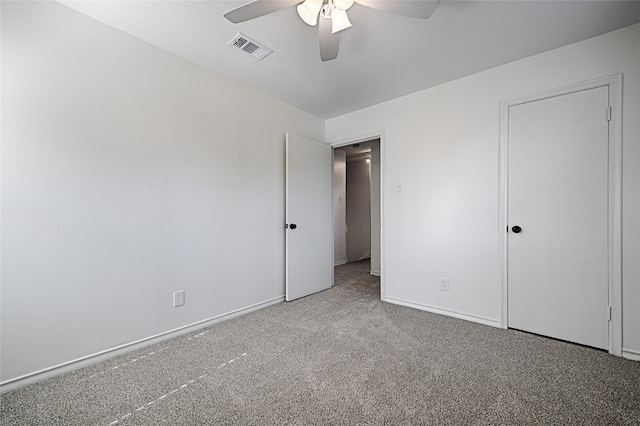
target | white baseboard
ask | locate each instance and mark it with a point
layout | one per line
(376, 273)
(460, 315)
(85, 361)
(631, 354)
(339, 262)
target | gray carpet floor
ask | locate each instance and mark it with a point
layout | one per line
(341, 357)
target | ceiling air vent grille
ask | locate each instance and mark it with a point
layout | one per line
(251, 47)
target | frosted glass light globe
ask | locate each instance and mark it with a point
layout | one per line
(343, 4)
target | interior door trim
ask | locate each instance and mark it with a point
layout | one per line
(614, 83)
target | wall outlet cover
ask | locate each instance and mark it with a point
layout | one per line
(178, 298)
(444, 284)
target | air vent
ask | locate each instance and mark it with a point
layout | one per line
(251, 47)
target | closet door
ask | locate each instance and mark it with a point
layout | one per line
(557, 215)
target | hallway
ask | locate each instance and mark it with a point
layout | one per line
(355, 275)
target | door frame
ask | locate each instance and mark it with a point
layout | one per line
(378, 134)
(614, 83)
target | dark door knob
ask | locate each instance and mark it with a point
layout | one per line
(516, 229)
(293, 226)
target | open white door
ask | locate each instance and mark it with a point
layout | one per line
(309, 243)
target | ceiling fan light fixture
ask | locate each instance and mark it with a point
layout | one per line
(331, 15)
(309, 11)
(339, 20)
(343, 4)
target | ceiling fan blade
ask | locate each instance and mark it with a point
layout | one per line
(421, 9)
(257, 9)
(329, 43)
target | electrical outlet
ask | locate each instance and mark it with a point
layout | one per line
(178, 298)
(444, 284)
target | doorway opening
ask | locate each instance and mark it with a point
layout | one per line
(356, 207)
(356, 277)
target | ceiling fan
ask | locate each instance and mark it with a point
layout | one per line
(331, 15)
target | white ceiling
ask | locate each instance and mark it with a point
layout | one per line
(381, 57)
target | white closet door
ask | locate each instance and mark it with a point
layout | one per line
(558, 262)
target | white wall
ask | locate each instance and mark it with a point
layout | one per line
(127, 174)
(339, 206)
(358, 209)
(442, 144)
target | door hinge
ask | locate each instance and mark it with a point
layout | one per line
(608, 113)
(608, 313)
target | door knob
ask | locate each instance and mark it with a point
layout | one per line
(293, 226)
(516, 229)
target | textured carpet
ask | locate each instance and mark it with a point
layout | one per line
(341, 357)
